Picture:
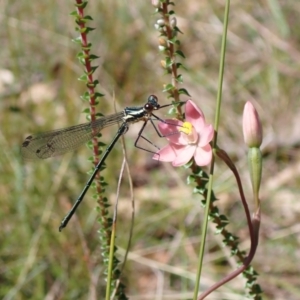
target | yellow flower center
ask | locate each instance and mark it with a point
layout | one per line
(186, 128)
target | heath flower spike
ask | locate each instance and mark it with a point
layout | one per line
(192, 140)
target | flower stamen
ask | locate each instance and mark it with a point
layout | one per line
(186, 128)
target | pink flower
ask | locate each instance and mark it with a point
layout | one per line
(252, 128)
(187, 139)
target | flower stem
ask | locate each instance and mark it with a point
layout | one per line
(216, 126)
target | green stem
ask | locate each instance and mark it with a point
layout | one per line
(216, 126)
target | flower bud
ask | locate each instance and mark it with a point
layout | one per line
(163, 45)
(163, 42)
(160, 22)
(173, 22)
(155, 3)
(251, 126)
(163, 64)
(253, 138)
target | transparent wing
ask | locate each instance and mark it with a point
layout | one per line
(57, 142)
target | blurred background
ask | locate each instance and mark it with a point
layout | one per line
(39, 91)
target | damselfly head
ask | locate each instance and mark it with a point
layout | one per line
(152, 104)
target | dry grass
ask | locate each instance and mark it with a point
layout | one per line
(262, 65)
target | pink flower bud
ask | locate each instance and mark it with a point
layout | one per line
(251, 126)
(155, 3)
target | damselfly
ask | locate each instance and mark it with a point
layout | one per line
(60, 141)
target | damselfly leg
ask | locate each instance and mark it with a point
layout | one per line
(140, 134)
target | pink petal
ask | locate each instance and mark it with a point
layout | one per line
(194, 115)
(206, 135)
(165, 154)
(170, 130)
(203, 155)
(170, 125)
(183, 154)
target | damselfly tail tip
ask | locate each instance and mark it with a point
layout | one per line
(61, 227)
